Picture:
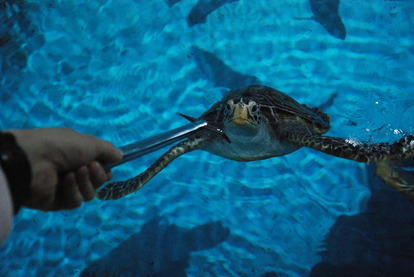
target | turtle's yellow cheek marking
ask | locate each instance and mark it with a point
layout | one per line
(240, 115)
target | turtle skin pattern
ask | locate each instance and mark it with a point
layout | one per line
(352, 150)
(118, 190)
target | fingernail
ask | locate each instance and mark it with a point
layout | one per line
(119, 154)
(108, 176)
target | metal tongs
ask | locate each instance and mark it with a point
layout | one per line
(151, 144)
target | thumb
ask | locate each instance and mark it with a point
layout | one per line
(107, 153)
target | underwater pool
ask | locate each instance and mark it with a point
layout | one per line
(122, 70)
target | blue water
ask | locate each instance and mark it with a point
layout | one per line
(121, 70)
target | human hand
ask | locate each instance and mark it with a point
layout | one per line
(67, 166)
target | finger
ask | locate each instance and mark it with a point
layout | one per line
(108, 175)
(84, 183)
(70, 197)
(76, 149)
(106, 153)
(98, 174)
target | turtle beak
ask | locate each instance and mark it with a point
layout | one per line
(241, 115)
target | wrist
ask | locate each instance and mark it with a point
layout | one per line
(17, 169)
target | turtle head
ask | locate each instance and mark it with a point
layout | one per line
(242, 113)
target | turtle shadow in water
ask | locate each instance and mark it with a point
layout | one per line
(171, 3)
(199, 13)
(376, 243)
(18, 40)
(158, 250)
(326, 13)
(13, 27)
(220, 74)
(203, 8)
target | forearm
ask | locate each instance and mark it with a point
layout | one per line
(6, 208)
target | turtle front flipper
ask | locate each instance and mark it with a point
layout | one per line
(399, 175)
(117, 190)
(354, 150)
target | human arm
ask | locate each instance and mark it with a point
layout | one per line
(6, 207)
(67, 166)
(62, 167)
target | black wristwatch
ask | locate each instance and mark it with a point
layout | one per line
(17, 169)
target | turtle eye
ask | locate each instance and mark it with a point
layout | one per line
(254, 108)
(228, 108)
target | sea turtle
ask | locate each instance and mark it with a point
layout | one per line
(261, 123)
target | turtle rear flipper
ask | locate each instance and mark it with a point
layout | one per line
(117, 190)
(399, 175)
(354, 150)
(394, 162)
